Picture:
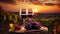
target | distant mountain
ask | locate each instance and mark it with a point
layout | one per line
(48, 14)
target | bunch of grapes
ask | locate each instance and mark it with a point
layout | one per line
(32, 25)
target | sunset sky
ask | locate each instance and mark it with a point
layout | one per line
(8, 7)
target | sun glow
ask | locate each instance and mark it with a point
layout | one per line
(36, 10)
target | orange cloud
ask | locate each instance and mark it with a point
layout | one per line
(37, 8)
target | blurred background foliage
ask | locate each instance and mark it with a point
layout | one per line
(9, 16)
